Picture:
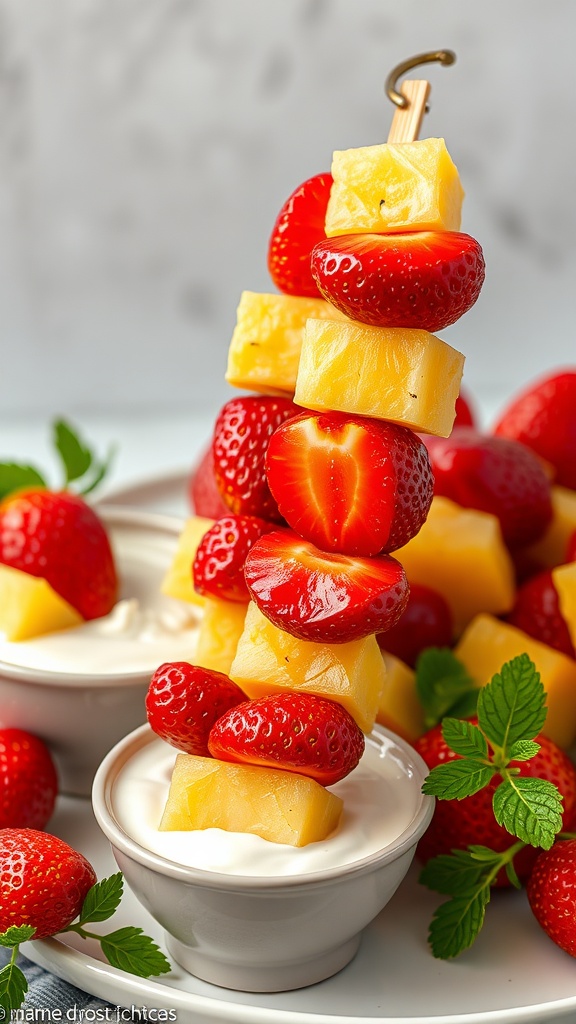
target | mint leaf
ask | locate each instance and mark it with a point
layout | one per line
(13, 477)
(100, 471)
(443, 686)
(455, 780)
(13, 987)
(102, 899)
(16, 934)
(456, 923)
(456, 873)
(464, 738)
(523, 750)
(530, 809)
(512, 706)
(132, 951)
(76, 457)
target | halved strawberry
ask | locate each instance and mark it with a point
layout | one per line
(349, 483)
(218, 568)
(425, 279)
(299, 226)
(537, 612)
(320, 596)
(296, 732)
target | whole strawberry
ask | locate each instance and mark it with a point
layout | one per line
(241, 437)
(296, 732)
(465, 415)
(43, 881)
(218, 568)
(28, 781)
(299, 225)
(184, 701)
(551, 891)
(425, 622)
(537, 612)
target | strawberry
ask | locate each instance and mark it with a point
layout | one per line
(299, 225)
(348, 483)
(241, 436)
(493, 474)
(543, 417)
(57, 536)
(457, 824)
(28, 781)
(425, 622)
(218, 567)
(465, 416)
(425, 280)
(551, 891)
(571, 549)
(184, 701)
(43, 881)
(204, 496)
(537, 612)
(322, 596)
(296, 732)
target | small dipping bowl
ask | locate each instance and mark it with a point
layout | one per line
(83, 689)
(253, 915)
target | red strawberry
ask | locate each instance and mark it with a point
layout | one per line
(349, 483)
(537, 612)
(543, 417)
(296, 732)
(425, 279)
(571, 549)
(184, 701)
(218, 568)
(205, 498)
(458, 823)
(465, 417)
(299, 225)
(551, 891)
(425, 622)
(241, 437)
(28, 781)
(58, 537)
(43, 881)
(493, 474)
(321, 596)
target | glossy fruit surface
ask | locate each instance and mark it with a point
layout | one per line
(205, 498)
(184, 701)
(299, 226)
(425, 622)
(551, 891)
(218, 567)
(297, 732)
(28, 780)
(537, 612)
(465, 415)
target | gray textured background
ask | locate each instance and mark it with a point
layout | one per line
(146, 146)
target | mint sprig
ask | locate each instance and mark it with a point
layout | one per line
(79, 465)
(444, 687)
(126, 948)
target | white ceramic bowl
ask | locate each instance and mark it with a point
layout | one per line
(82, 690)
(261, 931)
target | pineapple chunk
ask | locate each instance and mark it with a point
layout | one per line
(220, 630)
(564, 578)
(551, 549)
(30, 607)
(390, 373)
(408, 186)
(279, 806)
(400, 708)
(178, 581)
(460, 553)
(488, 644)
(265, 348)
(268, 660)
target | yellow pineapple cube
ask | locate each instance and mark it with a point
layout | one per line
(400, 708)
(178, 581)
(488, 644)
(564, 578)
(279, 806)
(220, 629)
(30, 607)
(460, 553)
(268, 660)
(551, 549)
(265, 349)
(406, 186)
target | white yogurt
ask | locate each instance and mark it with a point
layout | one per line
(144, 629)
(380, 801)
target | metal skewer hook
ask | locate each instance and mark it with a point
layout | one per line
(444, 57)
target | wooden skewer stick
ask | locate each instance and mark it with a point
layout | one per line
(407, 120)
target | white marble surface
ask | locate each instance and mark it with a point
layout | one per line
(146, 146)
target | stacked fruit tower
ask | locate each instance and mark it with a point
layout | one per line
(323, 475)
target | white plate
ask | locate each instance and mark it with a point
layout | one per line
(513, 975)
(166, 494)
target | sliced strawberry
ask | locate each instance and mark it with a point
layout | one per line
(425, 622)
(241, 436)
(205, 498)
(296, 732)
(327, 598)
(537, 612)
(299, 226)
(425, 279)
(184, 701)
(544, 418)
(493, 474)
(218, 568)
(348, 483)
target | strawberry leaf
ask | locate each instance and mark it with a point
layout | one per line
(16, 934)
(464, 738)
(102, 899)
(512, 706)
(444, 686)
(455, 780)
(75, 456)
(132, 951)
(530, 809)
(13, 987)
(14, 477)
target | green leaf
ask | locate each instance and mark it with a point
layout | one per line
(530, 809)
(457, 922)
(523, 750)
(132, 951)
(101, 470)
(456, 873)
(443, 684)
(76, 457)
(455, 780)
(13, 987)
(512, 706)
(13, 477)
(464, 738)
(102, 899)
(16, 934)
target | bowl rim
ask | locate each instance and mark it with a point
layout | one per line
(113, 516)
(102, 804)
